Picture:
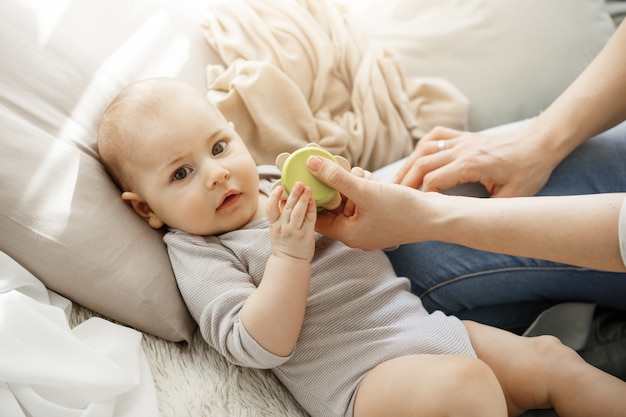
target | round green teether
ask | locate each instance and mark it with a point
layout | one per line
(295, 169)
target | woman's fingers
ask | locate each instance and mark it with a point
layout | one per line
(350, 206)
(429, 148)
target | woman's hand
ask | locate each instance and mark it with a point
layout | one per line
(507, 165)
(349, 207)
(292, 223)
(375, 215)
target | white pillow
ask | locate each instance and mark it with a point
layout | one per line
(512, 58)
(61, 216)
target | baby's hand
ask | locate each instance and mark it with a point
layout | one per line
(292, 222)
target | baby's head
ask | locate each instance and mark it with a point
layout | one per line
(121, 126)
(176, 159)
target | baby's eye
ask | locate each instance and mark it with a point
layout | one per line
(218, 147)
(181, 173)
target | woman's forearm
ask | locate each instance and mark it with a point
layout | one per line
(593, 103)
(577, 230)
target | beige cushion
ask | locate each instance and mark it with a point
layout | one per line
(61, 217)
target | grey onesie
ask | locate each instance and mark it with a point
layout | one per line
(359, 313)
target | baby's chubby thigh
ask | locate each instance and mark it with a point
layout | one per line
(430, 385)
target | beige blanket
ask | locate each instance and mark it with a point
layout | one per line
(300, 71)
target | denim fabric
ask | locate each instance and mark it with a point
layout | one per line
(507, 291)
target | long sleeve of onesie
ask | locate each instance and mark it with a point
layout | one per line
(215, 287)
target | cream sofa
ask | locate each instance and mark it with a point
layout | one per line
(62, 219)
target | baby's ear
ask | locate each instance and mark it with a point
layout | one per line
(143, 209)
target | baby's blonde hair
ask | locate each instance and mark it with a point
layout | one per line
(122, 122)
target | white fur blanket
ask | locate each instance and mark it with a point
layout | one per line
(199, 382)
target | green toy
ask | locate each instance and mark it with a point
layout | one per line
(293, 168)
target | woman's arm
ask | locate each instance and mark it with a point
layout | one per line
(578, 230)
(593, 103)
(519, 163)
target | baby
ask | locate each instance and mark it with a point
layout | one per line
(341, 331)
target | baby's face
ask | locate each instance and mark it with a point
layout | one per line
(194, 172)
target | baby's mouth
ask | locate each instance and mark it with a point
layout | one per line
(229, 200)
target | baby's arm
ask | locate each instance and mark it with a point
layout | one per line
(273, 314)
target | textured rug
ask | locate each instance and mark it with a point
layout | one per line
(198, 382)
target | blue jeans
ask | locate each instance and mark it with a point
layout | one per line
(507, 291)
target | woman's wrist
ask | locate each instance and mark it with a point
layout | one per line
(548, 144)
(441, 217)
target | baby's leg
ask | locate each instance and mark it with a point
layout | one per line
(430, 386)
(541, 372)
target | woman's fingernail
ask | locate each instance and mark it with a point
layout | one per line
(314, 163)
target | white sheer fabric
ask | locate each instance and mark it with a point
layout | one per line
(97, 369)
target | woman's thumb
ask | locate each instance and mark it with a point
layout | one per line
(331, 174)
